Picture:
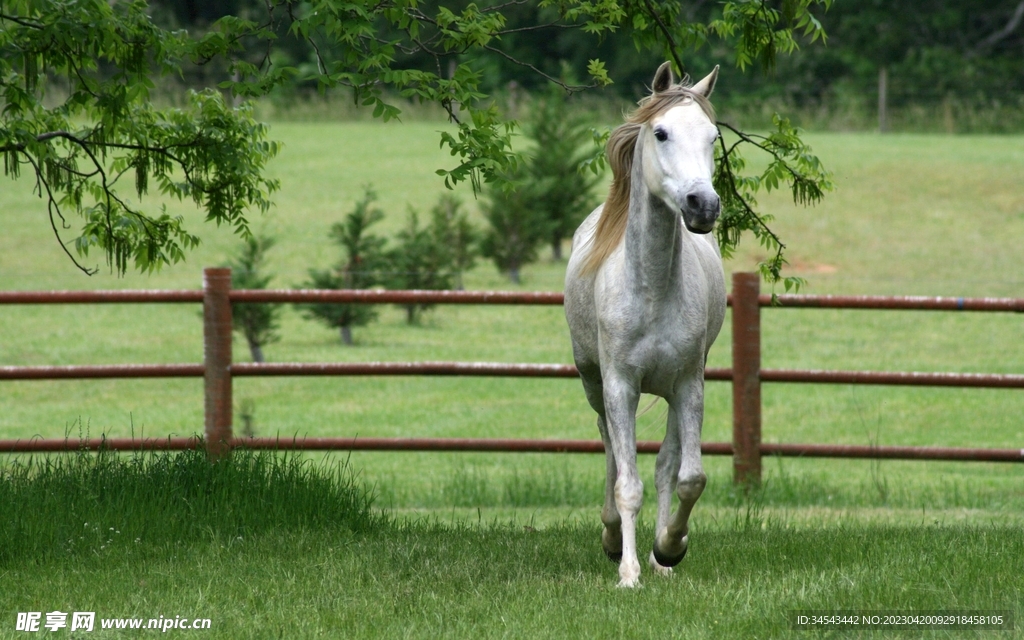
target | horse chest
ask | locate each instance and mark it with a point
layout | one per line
(657, 347)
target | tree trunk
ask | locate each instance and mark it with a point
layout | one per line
(948, 120)
(456, 108)
(883, 100)
(556, 249)
(410, 314)
(236, 98)
(513, 274)
(346, 334)
(256, 350)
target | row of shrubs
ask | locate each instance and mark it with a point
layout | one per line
(540, 202)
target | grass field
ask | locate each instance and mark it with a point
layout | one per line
(148, 536)
(916, 215)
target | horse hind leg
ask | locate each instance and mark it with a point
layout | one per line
(672, 538)
(611, 535)
(666, 479)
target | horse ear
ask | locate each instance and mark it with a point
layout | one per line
(663, 78)
(707, 85)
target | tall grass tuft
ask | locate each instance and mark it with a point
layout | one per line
(78, 503)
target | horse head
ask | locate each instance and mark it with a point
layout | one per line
(679, 149)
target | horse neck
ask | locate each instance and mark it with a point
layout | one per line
(653, 236)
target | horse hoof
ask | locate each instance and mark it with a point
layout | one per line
(668, 561)
(612, 545)
(633, 583)
(614, 556)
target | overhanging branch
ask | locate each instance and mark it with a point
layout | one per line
(1002, 34)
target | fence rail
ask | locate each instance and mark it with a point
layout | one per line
(746, 373)
(553, 298)
(493, 369)
(509, 445)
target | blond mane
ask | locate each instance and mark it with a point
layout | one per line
(611, 227)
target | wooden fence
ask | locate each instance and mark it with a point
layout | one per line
(746, 374)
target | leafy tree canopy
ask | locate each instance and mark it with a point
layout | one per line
(107, 54)
(75, 80)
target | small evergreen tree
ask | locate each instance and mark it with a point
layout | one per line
(257, 322)
(451, 228)
(561, 133)
(551, 196)
(518, 226)
(421, 260)
(359, 268)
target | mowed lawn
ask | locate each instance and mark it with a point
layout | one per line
(507, 545)
(263, 546)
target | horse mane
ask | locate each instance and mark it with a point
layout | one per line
(611, 226)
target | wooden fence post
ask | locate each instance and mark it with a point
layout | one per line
(217, 360)
(883, 100)
(746, 378)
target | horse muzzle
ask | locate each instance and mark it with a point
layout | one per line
(701, 210)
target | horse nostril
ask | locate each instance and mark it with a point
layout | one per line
(703, 202)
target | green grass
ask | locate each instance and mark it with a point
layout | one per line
(268, 546)
(506, 581)
(69, 505)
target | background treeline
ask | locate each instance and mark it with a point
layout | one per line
(946, 65)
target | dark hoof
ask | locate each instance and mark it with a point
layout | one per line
(614, 556)
(668, 561)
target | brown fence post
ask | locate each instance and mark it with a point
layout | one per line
(746, 378)
(217, 360)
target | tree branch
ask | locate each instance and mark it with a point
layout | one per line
(550, 25)
(51, 206)
(568, 87)
(743, 201)
(21, 21)
(1002, 34)
(673, 49)
(747, 138)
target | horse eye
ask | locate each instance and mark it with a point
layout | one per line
(661, 135)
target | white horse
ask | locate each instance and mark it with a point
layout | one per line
(645, 299)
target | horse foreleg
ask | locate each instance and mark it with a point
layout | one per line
(620, 412)
(672, 538)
